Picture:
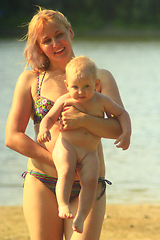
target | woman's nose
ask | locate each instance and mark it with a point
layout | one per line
(55, 42)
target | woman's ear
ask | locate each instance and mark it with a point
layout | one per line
(71, 32)
(97, 83)
(39, 49)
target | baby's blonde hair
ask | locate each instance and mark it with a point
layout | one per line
(82, 66)
(33, 57)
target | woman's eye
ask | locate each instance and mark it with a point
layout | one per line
(59, 35)
(47, 41)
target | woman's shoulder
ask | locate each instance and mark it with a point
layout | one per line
(27, 75)
(109, 86)
(26, 82)
(105, 75)
(27, 79)
(106, 78)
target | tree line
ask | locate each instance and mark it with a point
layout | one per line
(83, 14)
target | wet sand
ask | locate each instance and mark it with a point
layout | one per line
(122, 222)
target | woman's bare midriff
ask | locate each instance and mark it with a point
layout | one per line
(50, 170)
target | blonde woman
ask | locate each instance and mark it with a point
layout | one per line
(48, 50)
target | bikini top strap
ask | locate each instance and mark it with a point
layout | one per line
(39, 86)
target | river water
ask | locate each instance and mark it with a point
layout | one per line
(135, 173)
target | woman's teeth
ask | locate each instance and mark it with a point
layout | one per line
(60, 50)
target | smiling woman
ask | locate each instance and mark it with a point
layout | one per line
(55, 42)
(48, 51)
(40, 38)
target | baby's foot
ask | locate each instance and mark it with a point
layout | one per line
(64, 212)
(78, 224)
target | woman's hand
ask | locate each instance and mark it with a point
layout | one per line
(123, 141)
(71, 118)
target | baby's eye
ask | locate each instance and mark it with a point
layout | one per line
(75, 87)
(87, 86)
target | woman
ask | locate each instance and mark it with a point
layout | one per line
(49, 49)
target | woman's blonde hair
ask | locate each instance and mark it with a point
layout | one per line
(37, 60)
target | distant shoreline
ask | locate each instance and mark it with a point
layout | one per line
(134, 34)
(129, 222)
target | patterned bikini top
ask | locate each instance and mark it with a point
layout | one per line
(42, 104)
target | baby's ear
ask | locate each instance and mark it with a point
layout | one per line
(97, 83)
(66, 83)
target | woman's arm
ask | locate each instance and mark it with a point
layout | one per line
(103, 127)
(18, 118)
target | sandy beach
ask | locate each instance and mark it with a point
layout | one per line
(122, 222)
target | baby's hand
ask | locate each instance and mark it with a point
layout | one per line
(44, 136)
(123, 141)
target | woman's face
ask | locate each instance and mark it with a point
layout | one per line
(55, 42)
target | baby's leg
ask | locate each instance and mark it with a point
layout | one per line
(65, 158)
(89, 180)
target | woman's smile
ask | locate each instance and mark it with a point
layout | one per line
(61, 50)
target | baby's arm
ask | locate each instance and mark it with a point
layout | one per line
(49, 120)
(123, 141)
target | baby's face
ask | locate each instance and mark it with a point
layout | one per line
(81, 88)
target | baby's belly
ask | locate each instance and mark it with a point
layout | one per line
(82, 138)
